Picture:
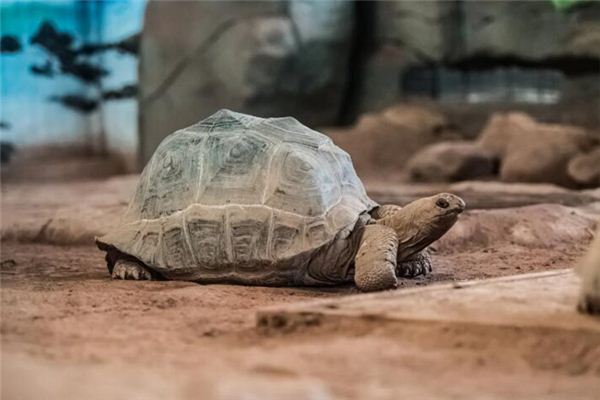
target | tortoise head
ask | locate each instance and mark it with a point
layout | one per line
(445, 206)
(437, 213)
(422, 222)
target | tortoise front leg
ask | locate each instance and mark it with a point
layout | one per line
(415, 265)
(375, 262)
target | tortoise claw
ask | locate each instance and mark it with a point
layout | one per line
(420, 264)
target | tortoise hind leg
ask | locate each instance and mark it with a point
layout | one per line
(125, 269)
(375, 262)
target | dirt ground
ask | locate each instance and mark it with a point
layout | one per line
(69, 331)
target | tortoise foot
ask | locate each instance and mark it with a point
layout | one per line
(419, 264)
(130, 270)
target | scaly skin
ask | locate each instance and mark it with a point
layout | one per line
(375, 262)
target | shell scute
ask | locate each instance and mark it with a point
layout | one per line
(235, 169)
(176, 249)
(249, 233)
(301, 183)
(207, 235)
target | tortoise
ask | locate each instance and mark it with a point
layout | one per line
(267, 201)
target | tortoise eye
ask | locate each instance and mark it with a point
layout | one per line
(442, 203)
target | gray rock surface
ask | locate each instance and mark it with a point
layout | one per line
(451, 161)
(427, 34)
(427, 30)
(327, 61)
(449, 30)
(497, 28)
(264, 58)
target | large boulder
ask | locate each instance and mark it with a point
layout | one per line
(263, 58)
(452, 161)
(585, 168)
(502, 128)
(531, 151)
(383, 142)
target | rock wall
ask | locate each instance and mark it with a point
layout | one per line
(329, 61)
(264, 58)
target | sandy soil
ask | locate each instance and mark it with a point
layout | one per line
(60, 309)
(69, 331)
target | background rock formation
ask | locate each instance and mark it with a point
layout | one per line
(452, 161)
(263, 58)
(381, 143)
(327, 62)
(534, 152)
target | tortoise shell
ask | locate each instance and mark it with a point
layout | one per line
(236, 194)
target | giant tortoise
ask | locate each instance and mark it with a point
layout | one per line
(241, 199)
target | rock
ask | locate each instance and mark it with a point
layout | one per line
(263, 58)
(427, 36)
(585, 168)
(584, 38)
(543, 158)
(427, 30)
(536, 226)
(498, 28)
(451, 161)
(501, 128)
(404, 34)
(531, 151)
(386, 140)
(382, 77)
